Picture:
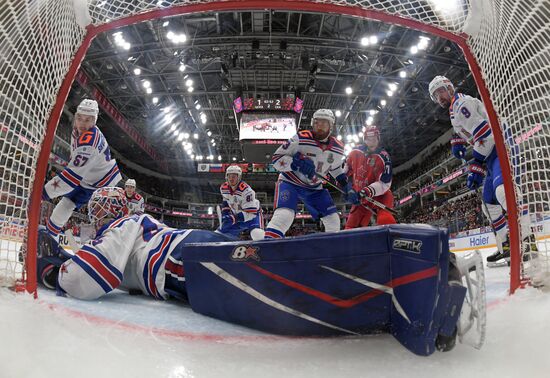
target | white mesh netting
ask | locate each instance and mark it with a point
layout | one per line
(508, 38)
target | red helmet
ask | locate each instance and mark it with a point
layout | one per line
(371, 131)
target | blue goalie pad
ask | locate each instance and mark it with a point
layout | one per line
(355, 282)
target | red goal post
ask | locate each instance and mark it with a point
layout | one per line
(504, 42)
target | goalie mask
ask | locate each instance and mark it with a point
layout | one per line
(320, 129)
(106, 204)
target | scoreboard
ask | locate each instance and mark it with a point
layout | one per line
(279, 104)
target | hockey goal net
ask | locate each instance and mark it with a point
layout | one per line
(505, 42)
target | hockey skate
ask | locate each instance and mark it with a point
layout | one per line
(473, 316)
(501, 257)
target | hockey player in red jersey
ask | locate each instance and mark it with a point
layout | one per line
(370, 171)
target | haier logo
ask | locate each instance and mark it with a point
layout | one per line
(478, 241)
(413, 246)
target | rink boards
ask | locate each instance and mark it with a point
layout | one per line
(381, 279)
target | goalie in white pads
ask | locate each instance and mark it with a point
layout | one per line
(89, 168)
(136, 203)
(301, 160)
(240, 209)
(133, 253)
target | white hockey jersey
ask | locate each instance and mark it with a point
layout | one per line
(469, 120)
(136, 204)
(130, 253)
(328, 158)
(90, 167)
(241, 200)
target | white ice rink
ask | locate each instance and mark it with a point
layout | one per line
(134, 336)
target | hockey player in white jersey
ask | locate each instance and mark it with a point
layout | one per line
(303, 157)
(129, 252)
(240, 209)
(470, 123)
(136, 203)
(89, 168)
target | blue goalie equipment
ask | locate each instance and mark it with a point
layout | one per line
(391, 279)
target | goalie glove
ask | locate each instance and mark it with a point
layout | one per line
(475, 176)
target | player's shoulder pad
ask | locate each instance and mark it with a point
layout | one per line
(88, 138)
(305, 134)
(243, 186)
(138, 196)
(385, 155)
(336, 142)
(224, 186)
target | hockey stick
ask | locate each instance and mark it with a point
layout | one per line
(371, 200)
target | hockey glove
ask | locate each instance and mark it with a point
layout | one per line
(458, 147)
(475, 176)
(351, 195)
(303, 164)
(367, 191)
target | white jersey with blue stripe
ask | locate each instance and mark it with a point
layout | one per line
(328, 157)
(130, 253)
(470, 121)
(242, 199)
(90, 166)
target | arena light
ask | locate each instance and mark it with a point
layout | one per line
(176, 132)
(155, 100)
(198, 106)
(349, 138)
(403, 74)
(219, 157)
(414, 49)
(373, 39)
(360, 134)
(149, 90)
(181, 67)
(339, 137)
(234, 158)
(369, 121)
(392, 87)
(389, 93)
(188, 82)
(212, 141)
(355, 138)
(137, 71)
(195, 136)
(365, 41)
(192, 156)
(173, 127)
(338, 113)
(383, 102)
(210, 157)
(186, 135)
(214, 144)
(190, 89)
(165, 23)
(146, 84)
(373, 112)
(349, 90)
(209, 133)
(423, 43)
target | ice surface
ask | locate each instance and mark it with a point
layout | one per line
(135, 336)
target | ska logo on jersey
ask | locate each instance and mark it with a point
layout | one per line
(244, 253)
(408, 245)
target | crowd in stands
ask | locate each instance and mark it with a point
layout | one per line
(462, 214)
(431, 161)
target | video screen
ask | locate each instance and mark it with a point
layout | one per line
(267, 126)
